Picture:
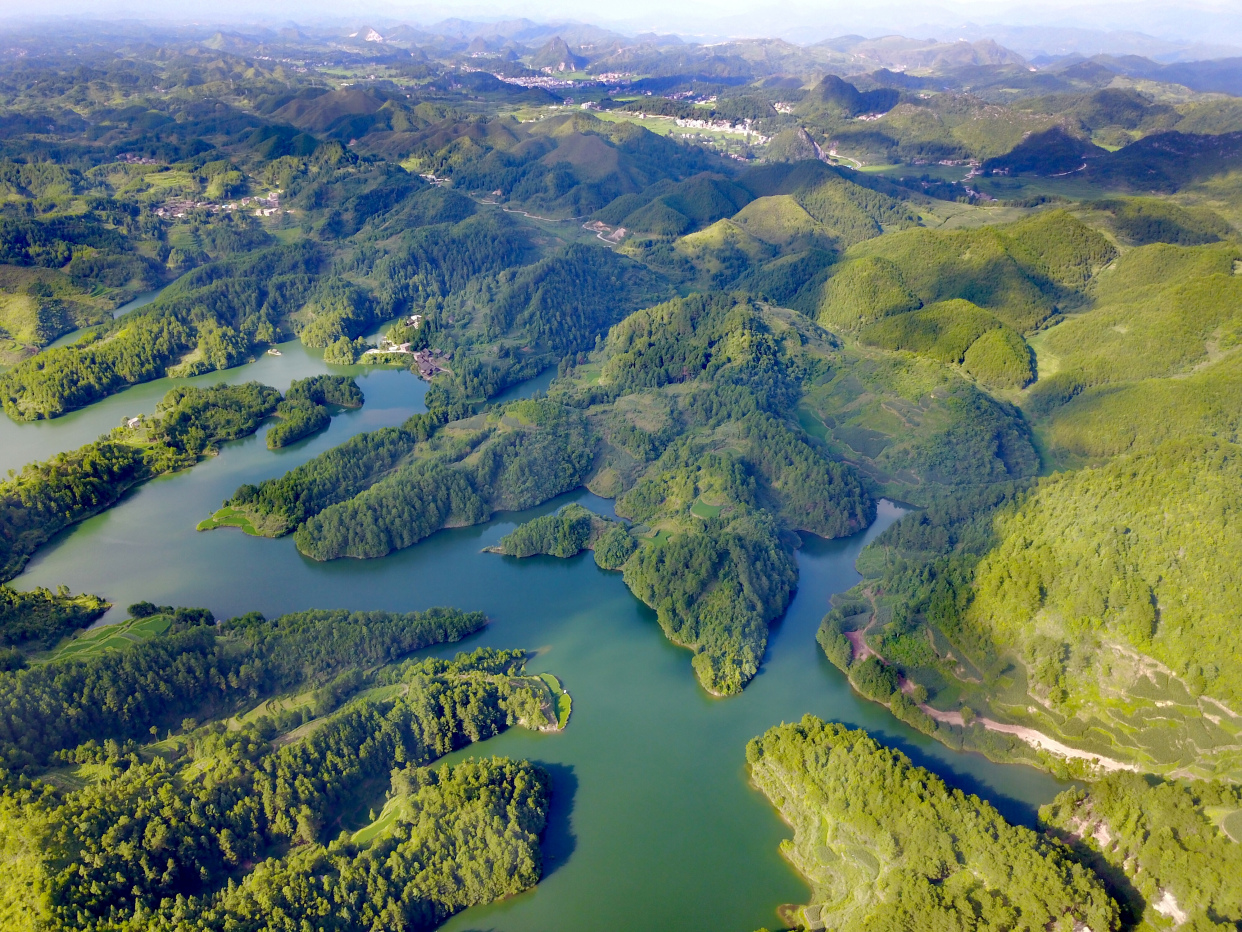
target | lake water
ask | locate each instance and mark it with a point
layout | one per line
(654, 826)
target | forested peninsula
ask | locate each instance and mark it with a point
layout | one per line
(190, 422)
(914, 854)
(225, 788)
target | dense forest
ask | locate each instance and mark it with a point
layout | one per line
(1166, 849)
(564, 533)
(156, 835)
(887, 845)
(770, 286)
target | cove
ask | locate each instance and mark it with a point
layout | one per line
(654, 826)
(23, 442)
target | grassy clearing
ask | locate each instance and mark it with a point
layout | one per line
(228, 517)
(394, 811)
(94, 641)
(273, 707)
(701, 509)
(1231, 825)
(78, 776)
(562, 700)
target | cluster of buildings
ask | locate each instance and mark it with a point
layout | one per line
(429, 362)
(724, 126)
(178, 207)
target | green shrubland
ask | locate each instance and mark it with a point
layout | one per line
(915, 428)
(1000, 359)
(1087, 606)
(862, 291)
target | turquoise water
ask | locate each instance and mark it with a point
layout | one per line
(654, 826)
(25, 442)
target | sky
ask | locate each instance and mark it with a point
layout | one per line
(1203, 21)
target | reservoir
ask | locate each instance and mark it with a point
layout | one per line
(653, 825)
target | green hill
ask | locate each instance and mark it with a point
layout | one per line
(1022, 272)
(781, 221)
(1159, 311)
(961, 333)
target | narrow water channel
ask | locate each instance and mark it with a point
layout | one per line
(654, 825)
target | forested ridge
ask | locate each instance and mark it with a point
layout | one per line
(209, 319)
(542, 451)
(199, 667)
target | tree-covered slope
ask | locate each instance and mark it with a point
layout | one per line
(1022, 272)
(886, 845)
(1094, 607)
(1129, 571)
(208, 319)
(226, 824)
(528, 453)
(1169, 849)
(1159, 311)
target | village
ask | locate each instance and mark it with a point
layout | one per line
(265, 206)
(429, 362)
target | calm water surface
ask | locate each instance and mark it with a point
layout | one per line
(22, 443)
(654, 826)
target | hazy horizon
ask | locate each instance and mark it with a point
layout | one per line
(1214, 25)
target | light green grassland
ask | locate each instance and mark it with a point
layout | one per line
(564, 704)
(94, 641)
(228, 517)
(701, 509)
